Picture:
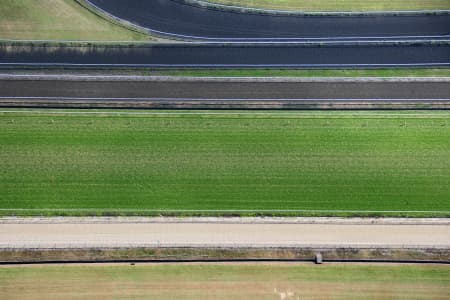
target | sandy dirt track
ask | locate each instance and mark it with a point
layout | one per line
(87, 235)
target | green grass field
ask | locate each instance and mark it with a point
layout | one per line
(57, 20)
(226, 161)
(341, 5)
(215, 281)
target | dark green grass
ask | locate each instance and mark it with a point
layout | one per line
(261, 161)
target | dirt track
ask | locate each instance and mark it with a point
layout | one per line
(86, 235)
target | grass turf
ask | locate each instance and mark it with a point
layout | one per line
(57, 20)
(226, 161)
(215, 281)
(340, 5)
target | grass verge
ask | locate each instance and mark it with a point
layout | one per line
(12, 256)
(340, 5)
(216, 281)
(138, 163)
(57, 20)
(419, 72)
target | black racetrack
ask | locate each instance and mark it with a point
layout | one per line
(88, 87)
(177, 18)
(215, 93)
(188, 55)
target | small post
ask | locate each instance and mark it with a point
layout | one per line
(319, 258)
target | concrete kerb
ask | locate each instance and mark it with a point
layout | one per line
(99, 246)
(249, 10)
(226, 220)
(62, 77)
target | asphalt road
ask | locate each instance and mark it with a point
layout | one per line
(88, 235)
(221, 93)
(229, 56)
(176, 18)
(220, 88)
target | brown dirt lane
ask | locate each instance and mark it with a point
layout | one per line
(85, 235)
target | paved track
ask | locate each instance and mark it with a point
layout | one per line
(229, 56)
(178, 92)
(221, 88)
(87, 235)
(176, 18)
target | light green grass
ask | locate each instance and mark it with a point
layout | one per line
(212, 281)
(306, 73)
(57, 20)
(341, 5)
(263, 161)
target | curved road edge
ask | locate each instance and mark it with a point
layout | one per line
(169, 34)
(276, 12)
(120, 22)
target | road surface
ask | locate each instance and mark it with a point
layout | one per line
(176, 18)
(85, 234)
(160, 87)
(191, 92)
(229, 56)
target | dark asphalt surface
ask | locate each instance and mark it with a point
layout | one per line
(174, 17)
(224, 90)
(189, 55)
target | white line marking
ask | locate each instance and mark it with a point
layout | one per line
(294, 41)
(225, 79)
(255, 113)
(222, 210)
(300, 13)
(312, 42)
(227, 65)
(219, 99)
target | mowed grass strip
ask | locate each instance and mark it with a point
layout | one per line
(245, 281)
(340, 5)
(269, 161)
(57, 20)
